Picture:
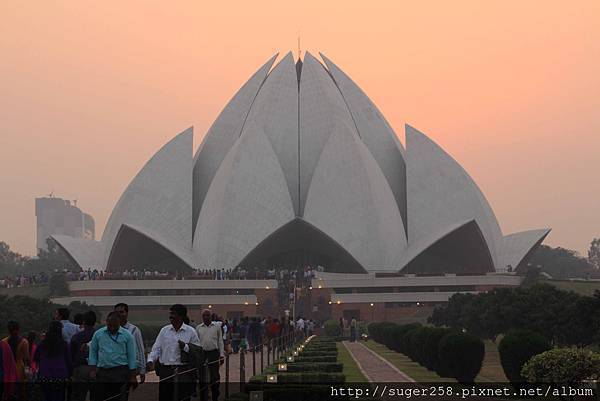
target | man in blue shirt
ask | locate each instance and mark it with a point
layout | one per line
(113, 359)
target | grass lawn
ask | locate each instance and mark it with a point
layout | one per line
(491, 371)
(351, 370)
(35, 291)
(580, 287)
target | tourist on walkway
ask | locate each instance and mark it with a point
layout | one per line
(82, 376)
(254, 334)
(20, 350)
(244, 326)
(8, 372)
(112, 360)
(68, 329)
(54, 363)
(211, 341)
(123, 310)
(31, 336)
(169, 354)
(353, 329)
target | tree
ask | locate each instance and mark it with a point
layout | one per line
(560, 262)
(58, 285)
(565, 317)
(516, 348)
(594, 253)
(10, 262)
(52, 259)
(33, 313)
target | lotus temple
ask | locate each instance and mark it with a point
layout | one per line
(301, 168)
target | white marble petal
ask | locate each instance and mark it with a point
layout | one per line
(248, 200)
(441, 194)
(222, 135)
(159, 198)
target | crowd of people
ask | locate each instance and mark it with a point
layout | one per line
(22, 280)
(76, 359)
(282, 275)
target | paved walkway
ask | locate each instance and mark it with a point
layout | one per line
(374, 367)
(149, 390)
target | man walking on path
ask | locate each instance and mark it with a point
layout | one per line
(68, 329)
(113, 360)
(169, 354)
(211, 341)
(81, 379)
(123, 310)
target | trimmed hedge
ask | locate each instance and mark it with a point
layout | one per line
(516, 348)
(332, 328)
(313, 359)
(431, 358)
(315, 367)
(461, 355)
(303, 377)
(317, 353)
(448, 353)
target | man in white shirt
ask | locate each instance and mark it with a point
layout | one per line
(300, 325)
(210, 335)
(69, 329)
(170, 350)
(123, 310)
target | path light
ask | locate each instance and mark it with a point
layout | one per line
(338, 302)
(271, 378)
(256, 396)
(371, 303)
(290, 359)
(246, 303)
(209, 306)
(329, 302)
(256, 304)
(282, 367)
(267, 287)
(295, 353)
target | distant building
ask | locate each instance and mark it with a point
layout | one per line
(56, 216)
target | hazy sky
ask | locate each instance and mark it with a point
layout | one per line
(90, 90)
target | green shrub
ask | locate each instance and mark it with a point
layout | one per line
(332, 328)
(400, 343)
(461, 356)
(375, 331)
(301, 358)
(304, 377)
(417, 343)
(405, 339)
(562, 366)
(387, 333)
(315, 367)
(516, 348)
(430, 350)
(318, 353)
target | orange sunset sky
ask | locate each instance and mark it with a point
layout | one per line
(511, 89)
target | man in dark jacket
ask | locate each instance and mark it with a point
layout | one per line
(81, 379)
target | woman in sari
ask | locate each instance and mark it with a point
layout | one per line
(20, 350)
